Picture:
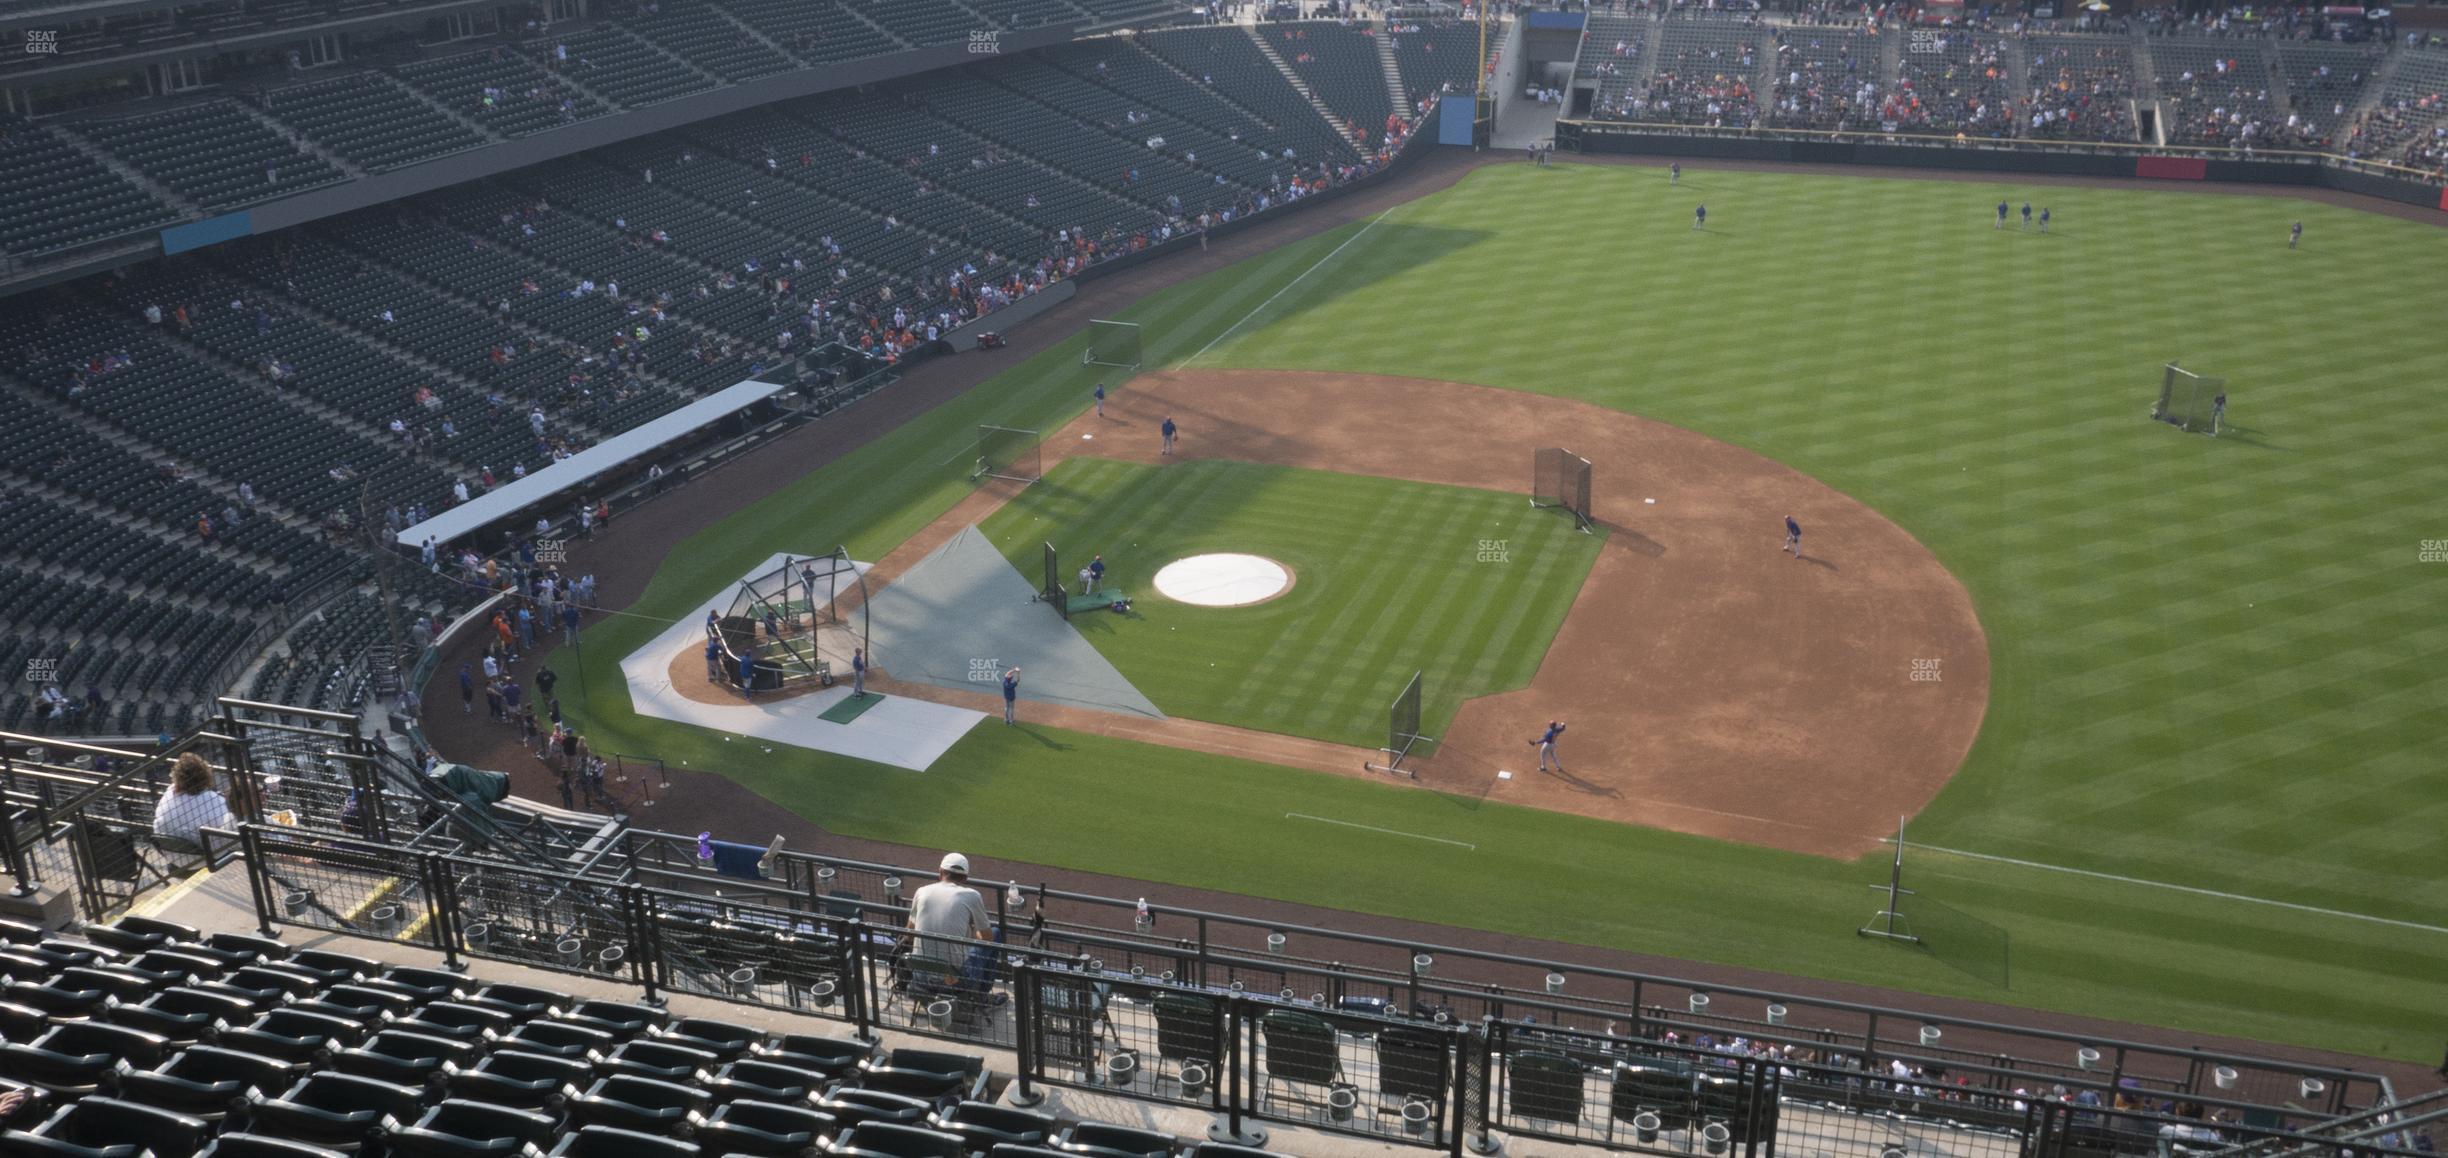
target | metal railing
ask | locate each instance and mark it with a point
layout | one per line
(1421, 979)
(1414, 1059)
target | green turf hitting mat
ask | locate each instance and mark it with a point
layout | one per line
(851, 708)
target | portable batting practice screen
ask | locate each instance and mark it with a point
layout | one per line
(1403, 738)
(801, 621)
(1112, 344)
(1052, 591)
(2187, 400)
(1559, 478)
(1006, 452)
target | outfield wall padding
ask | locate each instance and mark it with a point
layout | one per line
(2172, 168)
(1596, 137)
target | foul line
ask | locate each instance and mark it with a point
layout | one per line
(1374, 828)
(2199, 892)
(1287, 288)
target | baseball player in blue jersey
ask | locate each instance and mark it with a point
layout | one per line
(2001, 221)
(1546, 744)
(2027, 215)
(1100, 399)
(1674, 173)
(2044, 219)
(1700, 217)
(1793, 536)
(1011, 694)
(2295, 235)
(1170, 431)
(2218, 412)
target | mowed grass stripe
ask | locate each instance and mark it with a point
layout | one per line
(1864, 332)
(2159, 595)
(1387, 580)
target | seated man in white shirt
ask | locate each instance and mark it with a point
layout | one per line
(945, 915)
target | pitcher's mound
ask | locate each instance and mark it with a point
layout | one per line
(1223, 580)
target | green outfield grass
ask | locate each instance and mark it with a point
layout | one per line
(1390, 577)
(2217, 664)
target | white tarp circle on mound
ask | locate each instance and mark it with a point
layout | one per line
(1222, 580)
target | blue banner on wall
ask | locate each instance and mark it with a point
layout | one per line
(1569, 21)
(210, 231)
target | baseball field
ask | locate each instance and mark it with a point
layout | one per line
(2205, 791)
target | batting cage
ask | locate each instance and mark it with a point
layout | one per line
(1559, 478)
(1112, 344)
(1403, 738)
(1052, 591)
(1006, 452)
(800, 621)
(2187, 400)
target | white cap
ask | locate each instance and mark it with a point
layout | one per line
(954, 862)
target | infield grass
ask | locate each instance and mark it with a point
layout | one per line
(1389, 577)
(2216, 663)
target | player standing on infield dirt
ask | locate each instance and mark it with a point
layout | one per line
(1793, 537)
(1546, 744)
(1170, 432)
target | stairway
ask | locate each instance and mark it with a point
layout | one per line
(1300, 86)
(302, 142)
(135, 176)
(1393, 72)
(445, 111)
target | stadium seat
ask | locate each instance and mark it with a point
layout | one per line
(1186, 1030)
(208, 1081)
(830, 1056)
(259, 1146)
(659, 1060)
(517, 1078)
(722, 1039)
(766, 1081)
(620, 1021)
(463, 1129)
(565, 1039)
(1107, 1140)
(608, 1142)
(74, 1059)
(886, 1140)
(295, 1035)
(984, 1125)
(645, 1105)
(403, 1058)
(112, 1126)
(856, 1107)
(1546, 1087)
(765, 1129)
(336, 1110)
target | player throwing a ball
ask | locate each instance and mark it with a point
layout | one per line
(1546, 744)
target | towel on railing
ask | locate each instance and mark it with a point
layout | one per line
(733, 859)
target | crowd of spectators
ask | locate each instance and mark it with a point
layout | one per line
(1822, 81)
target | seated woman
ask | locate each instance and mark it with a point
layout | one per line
(191, 804)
